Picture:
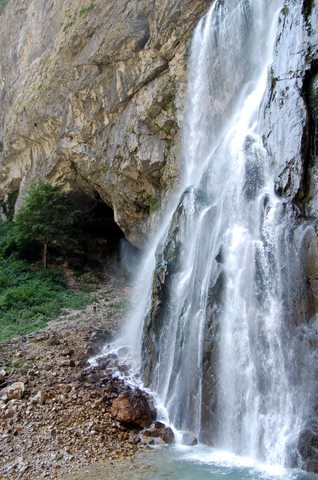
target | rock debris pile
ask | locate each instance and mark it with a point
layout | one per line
(57, 414)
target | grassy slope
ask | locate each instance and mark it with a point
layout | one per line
(29, 298)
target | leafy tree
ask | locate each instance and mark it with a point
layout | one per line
(45, 216)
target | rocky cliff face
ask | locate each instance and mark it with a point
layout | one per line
(291, 124)
(290, 134)
(92, 96)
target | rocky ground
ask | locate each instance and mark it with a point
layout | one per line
(58, 416)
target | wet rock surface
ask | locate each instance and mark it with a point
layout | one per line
(290, 120)
(308, 444)
(134, 407)
(55, 412)
(287, 116)
(189, 439)
(168, 260)
(159, 430)
(166, 277)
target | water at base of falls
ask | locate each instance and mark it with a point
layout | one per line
(203, 463)
(186, 463)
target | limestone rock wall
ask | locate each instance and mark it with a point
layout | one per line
(290, 134)
(91, 96)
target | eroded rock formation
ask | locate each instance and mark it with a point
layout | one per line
(92, 95)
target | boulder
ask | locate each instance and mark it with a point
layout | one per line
(308, 447)
(13, 392)
(134, 408)
(312, 466)
(167, 435)
(39, 398)
(189, 439)
(162, 431)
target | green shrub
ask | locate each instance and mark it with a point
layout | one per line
(152, 203)
(88, 8)
(31, 295)
(29, 298)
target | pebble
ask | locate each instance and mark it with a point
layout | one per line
(3, 375)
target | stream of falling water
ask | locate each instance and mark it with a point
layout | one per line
(221, 357)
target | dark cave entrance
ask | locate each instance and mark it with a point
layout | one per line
(96, 222)
(101, 243)
(96, 242)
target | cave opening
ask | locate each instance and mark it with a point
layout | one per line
(94, 241)
(95, 219)
(101, 242)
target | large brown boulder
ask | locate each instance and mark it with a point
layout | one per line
(134, 408)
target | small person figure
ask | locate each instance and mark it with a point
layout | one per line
(94, 307)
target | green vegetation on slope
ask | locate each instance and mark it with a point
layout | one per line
(88, 8)
(30, 297)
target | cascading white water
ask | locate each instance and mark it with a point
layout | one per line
(212, 339)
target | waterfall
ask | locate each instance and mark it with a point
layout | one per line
(212, 329)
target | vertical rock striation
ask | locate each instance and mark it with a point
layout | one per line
(291, 115)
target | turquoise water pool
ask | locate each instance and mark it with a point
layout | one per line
(202, 463)
(185, 463)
